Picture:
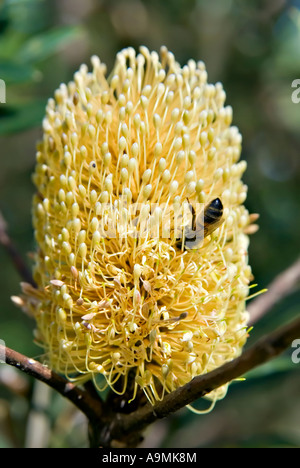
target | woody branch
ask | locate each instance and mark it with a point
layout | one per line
(265, 349)
(90, 403)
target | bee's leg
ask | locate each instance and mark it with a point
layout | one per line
(192, 210)
(179, 244)
(190, 233)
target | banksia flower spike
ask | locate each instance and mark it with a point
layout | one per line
(118, 292)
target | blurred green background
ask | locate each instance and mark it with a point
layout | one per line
(254, 49)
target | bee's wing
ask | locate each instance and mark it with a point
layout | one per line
(193, 236)
(210, 228)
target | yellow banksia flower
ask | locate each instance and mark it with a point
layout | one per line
(117, 294)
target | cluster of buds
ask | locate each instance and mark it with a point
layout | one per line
(117, 294)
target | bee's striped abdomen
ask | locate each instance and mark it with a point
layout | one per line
(213, 213)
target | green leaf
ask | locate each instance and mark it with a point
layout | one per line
(281, 364)
(43, 45)
(10, 43)
(18, 118)
(13, 73)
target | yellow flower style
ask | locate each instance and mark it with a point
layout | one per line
(118, 291)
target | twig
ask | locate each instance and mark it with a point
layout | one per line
(283, 285)
(14, 254)
(89, 404)
(265, 349)
(120, 426)
(108, 427)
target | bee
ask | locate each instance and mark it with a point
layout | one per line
(208, 221)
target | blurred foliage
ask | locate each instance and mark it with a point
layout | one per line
(28, 38)
(253, 48)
